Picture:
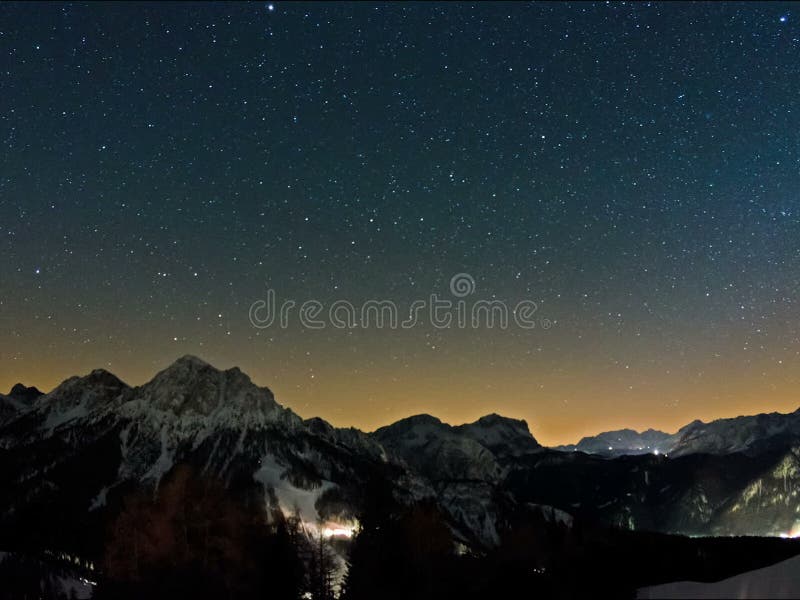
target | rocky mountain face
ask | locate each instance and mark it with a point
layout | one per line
(84, 445)
(464, 466)
(24, 394)
(71, 456)
(17, 401)
(750, 434)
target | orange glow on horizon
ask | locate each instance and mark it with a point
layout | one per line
(558, 408)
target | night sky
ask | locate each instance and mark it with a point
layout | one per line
(634, 169)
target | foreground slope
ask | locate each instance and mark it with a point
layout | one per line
(781, 580)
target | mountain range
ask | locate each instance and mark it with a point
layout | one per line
(748, 434)
(69, 456)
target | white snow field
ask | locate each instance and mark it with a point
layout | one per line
(781, 580)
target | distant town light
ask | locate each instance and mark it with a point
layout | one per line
(330, 532)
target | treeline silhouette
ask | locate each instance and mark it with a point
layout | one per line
(196, 539)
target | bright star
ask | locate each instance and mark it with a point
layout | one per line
(784, 18)
(270, 7)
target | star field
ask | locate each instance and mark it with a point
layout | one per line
(633, 168)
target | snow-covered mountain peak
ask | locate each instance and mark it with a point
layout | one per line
(192, 386)
(414, 431)
(192, 407)
(222, 423)
(493, 419)
(423, 419)
(499, 425)
(79, 397)
(737, 434)
(185, 367)
(189, 360)
(437, 450)
(502, 435)
(97, 384)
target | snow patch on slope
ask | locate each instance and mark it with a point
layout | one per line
(272, 475)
